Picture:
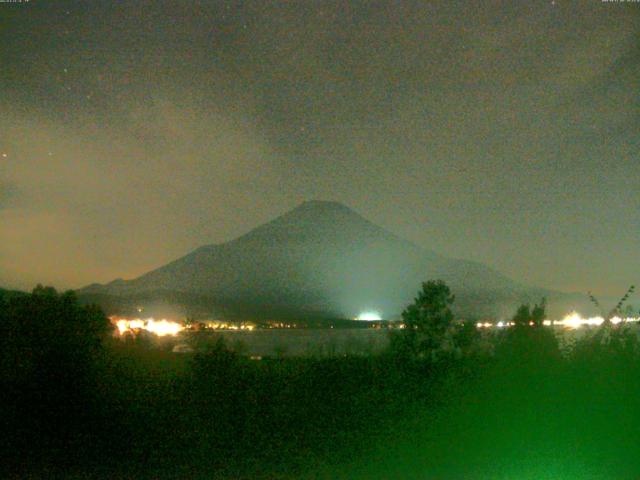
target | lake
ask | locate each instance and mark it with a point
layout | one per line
(295, 342)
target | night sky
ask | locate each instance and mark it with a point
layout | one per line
(504, 132)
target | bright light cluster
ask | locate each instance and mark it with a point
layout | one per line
(573, 320)
(159, 327)
(219, 325)
(369, 316)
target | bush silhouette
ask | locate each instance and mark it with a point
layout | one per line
(52, 352)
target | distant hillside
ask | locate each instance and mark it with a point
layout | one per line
(4, 293)
(319, 259)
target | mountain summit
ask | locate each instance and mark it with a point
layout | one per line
(320, 222)
(323, 259)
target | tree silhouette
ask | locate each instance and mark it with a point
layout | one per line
(51, 352)
(524, 343)
(539, 313)
(525, 315)
(465, 337)
(607, 338)
(617, 310)
(522, 316)
(428, 319)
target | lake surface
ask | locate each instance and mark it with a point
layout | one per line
(298, 342)
(326, 342)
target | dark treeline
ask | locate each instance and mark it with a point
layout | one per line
(445, 401)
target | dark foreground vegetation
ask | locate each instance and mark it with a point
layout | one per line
(445, 402)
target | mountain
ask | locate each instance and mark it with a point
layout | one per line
(319, 259)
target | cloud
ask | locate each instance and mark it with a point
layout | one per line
(475, 131)
(114, 201)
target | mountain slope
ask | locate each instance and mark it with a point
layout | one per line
(320, 257)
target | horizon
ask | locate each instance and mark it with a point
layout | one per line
(297, 207)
